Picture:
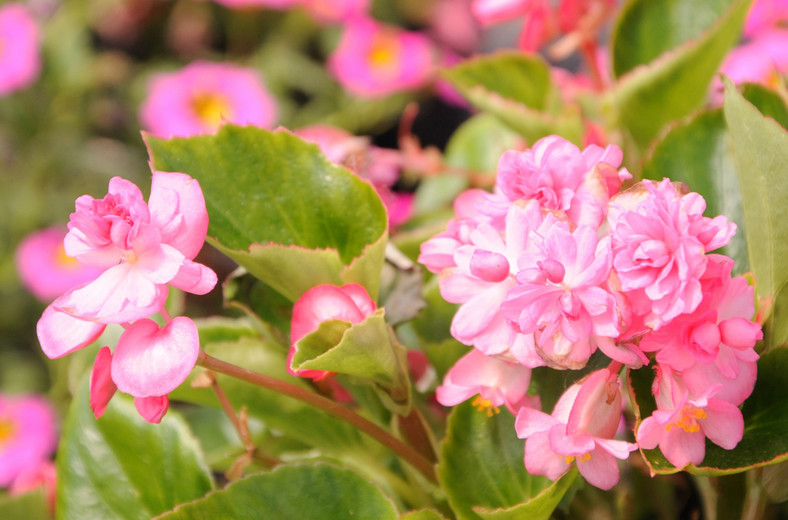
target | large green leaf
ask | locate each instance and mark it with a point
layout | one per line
(699, 154)
(765, 414)
(119, 466)
(657, 86)
(481, 468)
(281, 209)
(517, 89)
(365, 350)
(297, 492)
(761, 156)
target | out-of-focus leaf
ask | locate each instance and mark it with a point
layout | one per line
(760, 148)
(119, 466)
(481, 467)
(28, 506)
(422, 515)
(297, 492)
(279, 208)
(666, 53)
(765, 414)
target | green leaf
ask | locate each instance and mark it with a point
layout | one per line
(761, 155)
(698, 36)
(765, 414)
(516, 88)
(298, 492)
(364, 350)
(119, 466)
(481, 467)
(769, 102)
(287, 416)
(422, 515)
(699, 153)
(539, 507)
(279, 208)
(28, 506)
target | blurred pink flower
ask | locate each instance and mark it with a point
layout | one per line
(765, 14)
(333, 11)
(763, 59)
(45, 269)
(42, 476)
(580, 429)
(28, 435)
(257, 4)
(374, 59)
(350, 303)
(202, 96)
(20, 60)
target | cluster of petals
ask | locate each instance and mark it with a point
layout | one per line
(28, 436)
(581, 429)
(45, 269)
(20, 55)
(558, 263)
(375, 59)
(349, 303)
(202, 96)
(141, 249)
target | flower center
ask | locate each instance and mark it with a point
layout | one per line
(7, 430)
(585, 457)
(485, 405)
(688, 421)
(65, 262)
(384, 52)
(211, 109)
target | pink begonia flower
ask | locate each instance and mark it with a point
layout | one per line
(350, 303)
(765, 14)
(683, 421)
(374, 59)
(483, 277)
(714, 345)
(562, 177)
(660, 240)
(20, 59)
(580, 429)
(42, 476)
(333, 11)
(202, 96)
(141, 247)
(28, 435)
(494, 381)
(562, 295)
(45, 269)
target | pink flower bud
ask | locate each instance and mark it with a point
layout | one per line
(102, 388)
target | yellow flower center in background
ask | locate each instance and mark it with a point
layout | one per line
(212, 109)
(65, 262)
(7, 430)
(384, 53)
(485, 405)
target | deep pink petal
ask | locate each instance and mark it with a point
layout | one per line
(149, 361)
(102, 388)
(153, 408)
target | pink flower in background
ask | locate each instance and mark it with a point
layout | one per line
(334, 11)
(683, 421)
(20, 60)
(350, 303)
(496, 383)
(580, 429)
(202, 96)
(765, 14)
(374, 59)
(45, 269)
(42, 476)
(28, 435)
(660, 241)
(763, 59)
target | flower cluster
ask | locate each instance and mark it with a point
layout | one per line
(141, 250)
(559, 263)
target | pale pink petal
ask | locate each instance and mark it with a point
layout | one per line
(540, 459)
(601, 470)
(177, 207)
(149, 361)
(102, 388)
(153, 408)
(724, 424)
(60, 333)
(682, 448)
(194, 278)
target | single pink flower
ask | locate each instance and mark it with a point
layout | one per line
(683, 421)
(20, 59)
(660, 240)
(45, 269)
(202, 96)
(142, 248)
(28, 435)
(374, 60)
(580, 429)
(350, 303)
(495, 381)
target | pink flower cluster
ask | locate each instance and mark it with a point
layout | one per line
(558, 263)
(141, 249)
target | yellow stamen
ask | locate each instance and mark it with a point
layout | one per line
(212, 109)
(384, 52)
(7, 430)
(485, 405)
(688, 421)
(65, 262)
